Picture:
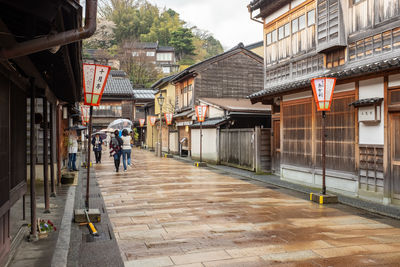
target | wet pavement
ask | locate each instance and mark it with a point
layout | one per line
(166, 212)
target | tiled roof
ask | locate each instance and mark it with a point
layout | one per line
(118, 73)
(366, 102)
(237, 104)
(165, 49)
(254, 45)
(118, 86)
(144, 94)
(161, 81)
(370, 65)
(184, 113)
(210, 122)
(140, 45)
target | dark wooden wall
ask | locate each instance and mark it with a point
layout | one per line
(236, 76)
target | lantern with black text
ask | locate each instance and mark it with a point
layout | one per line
(168, 118)
(153, 120)
(323, 92)
(141, 122)
(201, 113)
(94, 80)
(85, 114)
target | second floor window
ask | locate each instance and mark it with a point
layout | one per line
(150, 54)
(302, 22)
(311, 17)
(135, 54)
(164, 56)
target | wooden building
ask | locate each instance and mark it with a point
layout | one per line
(356, 41)
(235, 73)
(40, 60)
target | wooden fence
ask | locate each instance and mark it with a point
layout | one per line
(246, 148)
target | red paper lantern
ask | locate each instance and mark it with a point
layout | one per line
(94, 80)
(153, 120)
(85, 114)
(201, 113)
(323, 92)
(141, 122)
(168, 118)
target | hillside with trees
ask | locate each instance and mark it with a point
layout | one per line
(121, 21)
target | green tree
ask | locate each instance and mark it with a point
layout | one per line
(182, 41)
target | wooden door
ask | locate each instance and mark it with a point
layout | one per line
(395, 154)
(276, 146)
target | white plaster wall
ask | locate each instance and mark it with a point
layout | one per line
(295, 3)
(345, 87)
(277, 14)
(296, 96)
(372, 134)
(394, 80)
(209, 144)
(173, 142)
(215, 112)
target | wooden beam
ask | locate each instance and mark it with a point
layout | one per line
(387, 188)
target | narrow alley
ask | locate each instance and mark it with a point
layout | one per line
(166, 212)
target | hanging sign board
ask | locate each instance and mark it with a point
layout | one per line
(323, 92)
(201, 113)
(153, 120)
(85, 114)
(94, 80)
(168, 118)
(141, 122)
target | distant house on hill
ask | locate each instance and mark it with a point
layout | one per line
(162, 56)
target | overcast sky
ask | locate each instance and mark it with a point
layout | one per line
(228, 20)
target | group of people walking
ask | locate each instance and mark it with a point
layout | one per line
(120, 146)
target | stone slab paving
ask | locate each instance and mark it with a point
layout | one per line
(168, 213)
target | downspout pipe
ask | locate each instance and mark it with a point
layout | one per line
(53, 40)
(251, 15)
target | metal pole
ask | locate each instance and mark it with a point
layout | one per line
(33, 162)
(88, 158)
(323, 153)
(160, 134)
(152, 141)
(23, 207)
(45, 158)
(201, 141)
(52, 183)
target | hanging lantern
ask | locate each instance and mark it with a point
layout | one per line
(153, 120)
(85, 114)
(141, 122)
(94, 80)
(201, 113)
(323, 92)
(168, 118)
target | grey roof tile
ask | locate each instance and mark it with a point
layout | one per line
(118, 86)
(144, 93)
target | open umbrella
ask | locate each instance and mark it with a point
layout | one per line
(77, 127)
(120, 124)
(101, 134)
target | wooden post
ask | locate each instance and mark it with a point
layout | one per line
(257, 148)
(323, 153)
(52, 183)
(201, 142)
(88, 158)
(45, 158)
(58, 146)
(33, 161)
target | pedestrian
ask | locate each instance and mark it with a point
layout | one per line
(72, 150)
(126, 149)
(115, 149)
(97, 142)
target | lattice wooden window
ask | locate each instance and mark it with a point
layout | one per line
(394, 97)
(297, 133)
(371, 168)
(335, 58)
(340, 139)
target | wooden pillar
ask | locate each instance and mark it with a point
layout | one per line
(58, 146)
(45, 158)
(357, 136)
(387, 188)
(33, 161)
(52, 148)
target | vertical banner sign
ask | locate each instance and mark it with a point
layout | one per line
(94, 80)
(201, 113)
(153, 120)
(168, 118)
(141, 122)
(323, 92)
(85, 110)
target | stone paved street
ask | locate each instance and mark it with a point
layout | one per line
(167, 213)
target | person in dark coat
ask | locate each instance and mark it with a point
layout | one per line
(116, 149)
(97, 143)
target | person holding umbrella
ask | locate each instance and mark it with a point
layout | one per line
(126, 148)
(72, 150)
(115, 149)
(97, 142)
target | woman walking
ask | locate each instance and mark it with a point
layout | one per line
(126, 149)
(97, 143)
(115, 149)
(72, 150)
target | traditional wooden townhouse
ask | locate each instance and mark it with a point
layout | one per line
(235, 73)
(40, 65)
(357, 42)
(169, 135)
